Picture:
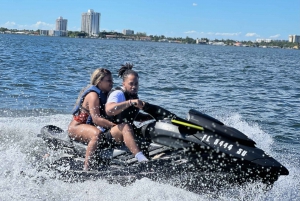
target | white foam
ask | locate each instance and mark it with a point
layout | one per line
(21, 180)
(251, 129)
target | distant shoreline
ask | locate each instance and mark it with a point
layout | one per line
(215, 42)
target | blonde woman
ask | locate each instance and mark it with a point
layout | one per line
(90, 125)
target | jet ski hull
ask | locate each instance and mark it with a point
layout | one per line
(176, 149)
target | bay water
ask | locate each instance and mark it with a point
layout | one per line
(256, 90)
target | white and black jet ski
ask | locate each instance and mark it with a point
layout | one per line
(199, 144)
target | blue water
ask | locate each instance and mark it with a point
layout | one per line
(255, 90)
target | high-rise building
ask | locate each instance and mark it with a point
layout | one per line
(294, 39)
(90, 22)
(61, 24)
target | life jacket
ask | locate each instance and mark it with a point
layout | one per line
(128, 115)
(102, 97)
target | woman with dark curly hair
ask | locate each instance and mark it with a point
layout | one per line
(123, 104)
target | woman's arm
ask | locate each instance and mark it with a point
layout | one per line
(94, 108)
(112, 108)
(117, 103)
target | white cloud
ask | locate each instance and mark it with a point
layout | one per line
(275, 36)
(252, 35)
(221, 34)
(194, 4)
(43, 25)
(228, 34)
(190, 32)
(37, 25)
(9, 24)
(213, 33)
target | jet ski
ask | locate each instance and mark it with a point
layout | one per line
(198, 145)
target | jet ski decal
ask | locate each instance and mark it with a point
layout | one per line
(187, 124)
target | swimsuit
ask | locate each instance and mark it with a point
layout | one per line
(82, 117)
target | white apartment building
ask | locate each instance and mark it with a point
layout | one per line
(90, 22)
(61, 24)
(259, 40)
(128, 32)
(294, 39)
(57, 33)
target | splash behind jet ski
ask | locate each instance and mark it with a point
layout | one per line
(198, 145)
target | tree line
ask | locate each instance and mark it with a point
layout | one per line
(156, 38)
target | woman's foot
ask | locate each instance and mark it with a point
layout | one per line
(85, 168)
(141, 157)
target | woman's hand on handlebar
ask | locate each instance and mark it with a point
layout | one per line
(138, 103)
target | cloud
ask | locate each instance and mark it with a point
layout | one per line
(194, 4)
(43, 25)
(9, 24)
(190, 32)
(228, 34)
(37, 25)
(213, 33)
(252, 35)
(275, 36)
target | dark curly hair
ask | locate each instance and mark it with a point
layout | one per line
(125, 70)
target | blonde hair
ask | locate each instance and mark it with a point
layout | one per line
(96, 77)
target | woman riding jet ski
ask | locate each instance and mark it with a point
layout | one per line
(90, 124)
(123, 105)
(200, 144)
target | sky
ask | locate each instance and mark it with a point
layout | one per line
(213, 19)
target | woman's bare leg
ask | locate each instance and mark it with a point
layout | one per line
(87, 134)
(124, 132)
